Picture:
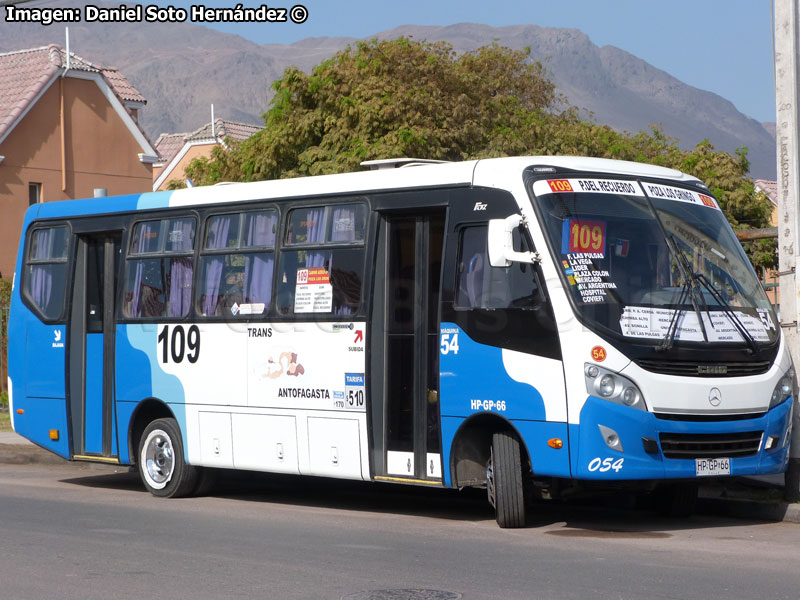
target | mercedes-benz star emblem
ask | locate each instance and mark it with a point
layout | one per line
(715, 397)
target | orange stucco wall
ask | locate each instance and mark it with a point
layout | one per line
(100, 152)
(178, 172)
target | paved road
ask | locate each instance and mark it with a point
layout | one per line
(85, 532)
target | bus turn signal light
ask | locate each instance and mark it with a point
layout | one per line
(54, 435)
(555, 443)
(20, 411)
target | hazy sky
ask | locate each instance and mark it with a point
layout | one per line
(724, 46)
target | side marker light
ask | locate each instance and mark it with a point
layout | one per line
(20, 411)
(555, 443)
(54, 435)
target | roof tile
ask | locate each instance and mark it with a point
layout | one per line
(25, 73)
(169, 144)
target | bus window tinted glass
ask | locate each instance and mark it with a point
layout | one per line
(237, 284)
(146, 238)
(259, 229)
(161, 285)
(227, 281)
(45, 275)
(339, 224)
(321, 281)
(222, 232)
(483, 286)
(180, 235)
(49, 244)
(346, 224)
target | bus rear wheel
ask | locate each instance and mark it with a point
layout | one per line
(162, 467)
(504, 483)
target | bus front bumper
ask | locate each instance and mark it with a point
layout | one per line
(615, 442)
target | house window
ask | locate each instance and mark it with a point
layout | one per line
(34, 193)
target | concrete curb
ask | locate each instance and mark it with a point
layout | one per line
(750, 509)
(16, 450)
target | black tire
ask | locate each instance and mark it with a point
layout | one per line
(162, 467)
(676, 500)
(504, 481)
(206, 481)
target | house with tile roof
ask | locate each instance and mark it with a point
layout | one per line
(770, 278)
(68, 129)
(770, 189)
(177, 150)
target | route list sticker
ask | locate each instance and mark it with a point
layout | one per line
(313, 293)
(653, 323)
(590, 282)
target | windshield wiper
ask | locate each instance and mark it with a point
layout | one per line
(753, 345)
(689, 284)
(700, 278)
(672, 330)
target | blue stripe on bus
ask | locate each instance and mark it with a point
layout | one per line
(139, 376)
(89, 206)
(474, 379)
(153, 200)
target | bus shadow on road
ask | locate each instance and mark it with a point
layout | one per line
(617, 515)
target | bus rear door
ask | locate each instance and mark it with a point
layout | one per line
(91, 347)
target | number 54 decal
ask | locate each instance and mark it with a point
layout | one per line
(606, 464)
(449, 344)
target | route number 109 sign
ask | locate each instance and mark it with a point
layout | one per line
(585, 236)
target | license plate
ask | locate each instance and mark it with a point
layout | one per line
(705, 467)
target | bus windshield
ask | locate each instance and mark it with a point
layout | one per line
(653, 262)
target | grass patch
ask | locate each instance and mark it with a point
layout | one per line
(5, 421)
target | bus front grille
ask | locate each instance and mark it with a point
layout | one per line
(710, 445)
(693, 369)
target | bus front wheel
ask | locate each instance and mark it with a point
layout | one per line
(162, 467)
(504, 483)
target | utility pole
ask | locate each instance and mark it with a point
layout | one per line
(786, 104)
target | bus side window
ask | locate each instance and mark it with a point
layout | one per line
(158, 272)
(46, 270)
(236, 264)
(324, 273)
(480, 285)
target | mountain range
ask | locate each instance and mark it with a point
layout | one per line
(183, 68)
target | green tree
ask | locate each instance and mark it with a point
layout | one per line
(401, 98)
(389, 98)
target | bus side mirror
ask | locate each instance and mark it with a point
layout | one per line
(501, 243)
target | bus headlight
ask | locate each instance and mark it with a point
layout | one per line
(613, 387)
(606, 386)
(630, 396)
(783, 389)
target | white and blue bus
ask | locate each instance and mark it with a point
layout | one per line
(528, 325)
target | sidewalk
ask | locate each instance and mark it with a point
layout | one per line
(758, 498)
(9, 437)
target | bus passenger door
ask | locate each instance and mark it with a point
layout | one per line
(91, 347)
(404, 360)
